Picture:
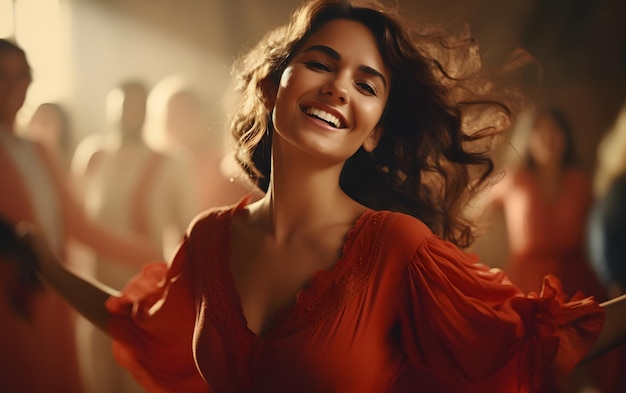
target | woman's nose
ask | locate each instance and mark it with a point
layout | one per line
(336, 88)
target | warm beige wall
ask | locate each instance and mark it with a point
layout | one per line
(116, 39)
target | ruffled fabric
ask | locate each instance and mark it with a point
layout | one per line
(477, 332)
(573, 324)
(461, 327)
(152, 325)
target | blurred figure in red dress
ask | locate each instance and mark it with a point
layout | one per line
(546, 202)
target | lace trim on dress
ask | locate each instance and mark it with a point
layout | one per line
(215, 299)
(328, 291)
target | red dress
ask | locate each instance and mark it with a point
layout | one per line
(547, 237)
(400, 311)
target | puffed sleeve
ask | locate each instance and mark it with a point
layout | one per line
(152, 326)
(475, 331)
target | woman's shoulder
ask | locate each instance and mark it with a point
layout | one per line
(211, 217)
(405, 242)
(401, 230)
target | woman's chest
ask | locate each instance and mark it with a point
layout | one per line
(320, 348)
(333, 326)
(269, 278)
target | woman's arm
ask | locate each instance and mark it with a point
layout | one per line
(86, 296)
(614, 331)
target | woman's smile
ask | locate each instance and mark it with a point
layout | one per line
(327, 115)
(332, 94)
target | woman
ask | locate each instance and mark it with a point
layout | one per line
(546, 202)
(326, 283)
(50, 126)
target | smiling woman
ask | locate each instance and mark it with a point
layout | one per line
(329, 98)
(347, 275)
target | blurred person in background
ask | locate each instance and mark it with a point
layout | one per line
(611, 156)
(130, 189)
(546, 200)
(607, 223)
(50, 126)
(177, 125)
(38, 342)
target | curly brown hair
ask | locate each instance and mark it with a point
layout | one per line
(427, 163)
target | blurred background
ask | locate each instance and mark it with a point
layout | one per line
(80, 49)
(113, 65)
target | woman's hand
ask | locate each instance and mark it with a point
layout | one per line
(27, 248)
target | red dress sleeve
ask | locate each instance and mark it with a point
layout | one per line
(152, 325)
(476, 331)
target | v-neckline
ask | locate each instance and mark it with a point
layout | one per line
(303, 298)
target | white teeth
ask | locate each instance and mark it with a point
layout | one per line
(320, 114)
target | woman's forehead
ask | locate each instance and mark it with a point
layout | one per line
(347, 40)
(346, 34)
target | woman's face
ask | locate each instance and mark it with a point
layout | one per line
(332, 94)
(547, 141)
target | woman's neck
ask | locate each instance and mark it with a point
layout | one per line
(302, 196)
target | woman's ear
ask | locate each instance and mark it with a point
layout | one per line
(370, 143)
(270, 89)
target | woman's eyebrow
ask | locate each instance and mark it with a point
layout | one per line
(330, 52)
(333, 54)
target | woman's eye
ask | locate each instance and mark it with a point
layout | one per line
(316, 65)
(367, 88)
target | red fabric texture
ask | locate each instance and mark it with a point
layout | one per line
(547, 237)
(400, 311)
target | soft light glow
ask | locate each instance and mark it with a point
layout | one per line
(41, 29)
(6, 18)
